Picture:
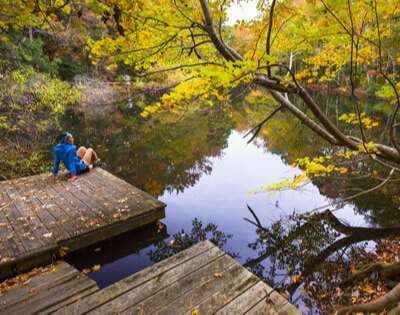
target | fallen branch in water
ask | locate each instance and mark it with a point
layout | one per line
(256, 129)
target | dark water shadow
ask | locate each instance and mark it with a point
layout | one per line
(119, 256)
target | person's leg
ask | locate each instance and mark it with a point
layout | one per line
(90, 157)
(81, 152)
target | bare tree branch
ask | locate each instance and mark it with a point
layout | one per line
(227, 52)
(270, 25)
(256, 129)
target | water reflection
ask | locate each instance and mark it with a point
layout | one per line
(156, 156)
(185, 239)
(317, 253)
(202, 168)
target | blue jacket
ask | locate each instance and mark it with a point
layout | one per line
(66, 153)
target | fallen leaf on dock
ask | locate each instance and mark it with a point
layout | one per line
(123, 200)
(140, 310)
(117, 215)
(22, 279)
(48, 235)
(96, 267)
(195, 311)
(86, 270)
(92, 222)
(218, 275)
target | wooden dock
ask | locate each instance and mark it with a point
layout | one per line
(49, 290)
(200, 280)
(42, 218)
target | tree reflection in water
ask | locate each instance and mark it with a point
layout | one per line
(183, 240)
(312, 256)
(157, 155)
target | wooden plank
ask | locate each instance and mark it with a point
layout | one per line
(274, 304)
(110, 194)
(134, 281)
(147, 198)
(231, 288)
(11, 239)
(41, 225)
(67, 301)
(118, 201)
(89, 205)
(83, 216)
(236, 277)
(97, 197)
(262, 308)
(19, 221)
(52, 296)
(109, 178)
(46, 227)
(154, 285)
(102, 181)
(48, 199)
(68, 216)
(260, 299)
(246, 300)
(127, 195)
(46, 292)
(95, 220)
(56, 275)
(9, 248)
(175, 290)
(7, 252)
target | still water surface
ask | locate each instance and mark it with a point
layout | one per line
(201, 168)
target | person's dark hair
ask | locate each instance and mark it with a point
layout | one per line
(63, 137)
(60, 137)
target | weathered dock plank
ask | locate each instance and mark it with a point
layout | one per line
(57, 286)
(39, 215)
(202, 279)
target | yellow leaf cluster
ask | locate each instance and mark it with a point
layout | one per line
(352, 118)
(368, 148)
(316, 167)
(286, 184)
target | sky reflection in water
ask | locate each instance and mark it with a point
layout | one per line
(220, 197)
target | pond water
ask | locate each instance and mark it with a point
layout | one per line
(204, 170)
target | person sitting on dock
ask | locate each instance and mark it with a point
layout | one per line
(75, 161)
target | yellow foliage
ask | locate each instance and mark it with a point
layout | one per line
(294, 183)
(315, 167)
(352, 118)
(368, 148)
